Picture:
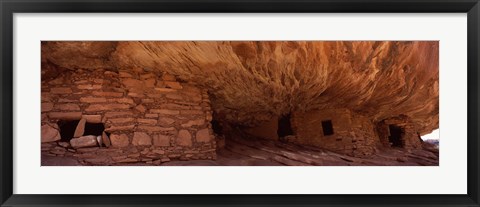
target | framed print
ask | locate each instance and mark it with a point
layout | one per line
(310, 103)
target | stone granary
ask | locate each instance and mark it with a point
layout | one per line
(152, 102)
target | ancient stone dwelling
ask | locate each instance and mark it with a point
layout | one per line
(340, 130)
(114, 103)
(125, 117)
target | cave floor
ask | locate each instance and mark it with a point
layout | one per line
(265, 152)
(254, 152)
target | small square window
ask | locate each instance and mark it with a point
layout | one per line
(327, 127)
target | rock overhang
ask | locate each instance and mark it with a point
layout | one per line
(250, 82)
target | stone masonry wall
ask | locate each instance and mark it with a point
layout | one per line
(353, 134)
(410, 138)
(151, 118)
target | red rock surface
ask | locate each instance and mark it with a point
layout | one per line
(254, 152)
(251, 82)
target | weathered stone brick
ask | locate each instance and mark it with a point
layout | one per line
(80, 129)
(174, 96)
(44, 117)
(199, 108)
(165, 111)
(120, 128)
(122, 100)
(195, 98)
(184, 138)
(190, 89)
(121, 120)
(46, 97)
(155, 128)
(67, 107)
(110, 74)
(136, 95)
(50, 133)
(85, 141)
(141, 138)
(147, 121)
(133, 83)
(98, 80)
(191, 123)
(119, 140)
(117, 158)
(148, 76)
(92, 99)
(161, 140)
(168, 77)
(123, 74)
(106, 139)
(47, 106)
(147, 100)
(151, 115)
(158, 151)
(165, 90)
(149, 83)
(61, 90)
(81, 82)
(140, 108)
(127, 160)
(57, 81)
(106, 107)
(118, 114)
(92, 118)
(65, 100)
(65, 115)
(107, 94)
(191, 112)
(165, 121)
(89, 86)
(166, 159)
(203, 136)
(173, 84)
(174, 106)
(208, 117)
(134, 155)
(156, 96)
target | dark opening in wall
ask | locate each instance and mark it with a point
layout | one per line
(284, 126)
(217, 127)
(327, 127)
(94, 129)
(396, 134)
(67, 129)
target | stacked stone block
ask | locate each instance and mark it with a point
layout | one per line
(410, 137)
(353, 134)
(148, 117)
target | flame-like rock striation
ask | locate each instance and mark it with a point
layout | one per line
(254, 81)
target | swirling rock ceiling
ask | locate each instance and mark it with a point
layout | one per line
(250, 81)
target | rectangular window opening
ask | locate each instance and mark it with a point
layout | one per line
(396, 136)
(284, 126)
(327, 127)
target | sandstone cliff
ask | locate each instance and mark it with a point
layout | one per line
(250, 82)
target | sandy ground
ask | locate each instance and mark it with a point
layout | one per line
(243, 152)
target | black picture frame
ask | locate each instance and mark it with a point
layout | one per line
(10, 7)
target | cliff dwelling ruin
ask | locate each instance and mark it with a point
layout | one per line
(239, 102)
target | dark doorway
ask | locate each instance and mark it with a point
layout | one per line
(327, 127)
(67, 129)
(284, 126)
(395, 137)
(217, 127)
